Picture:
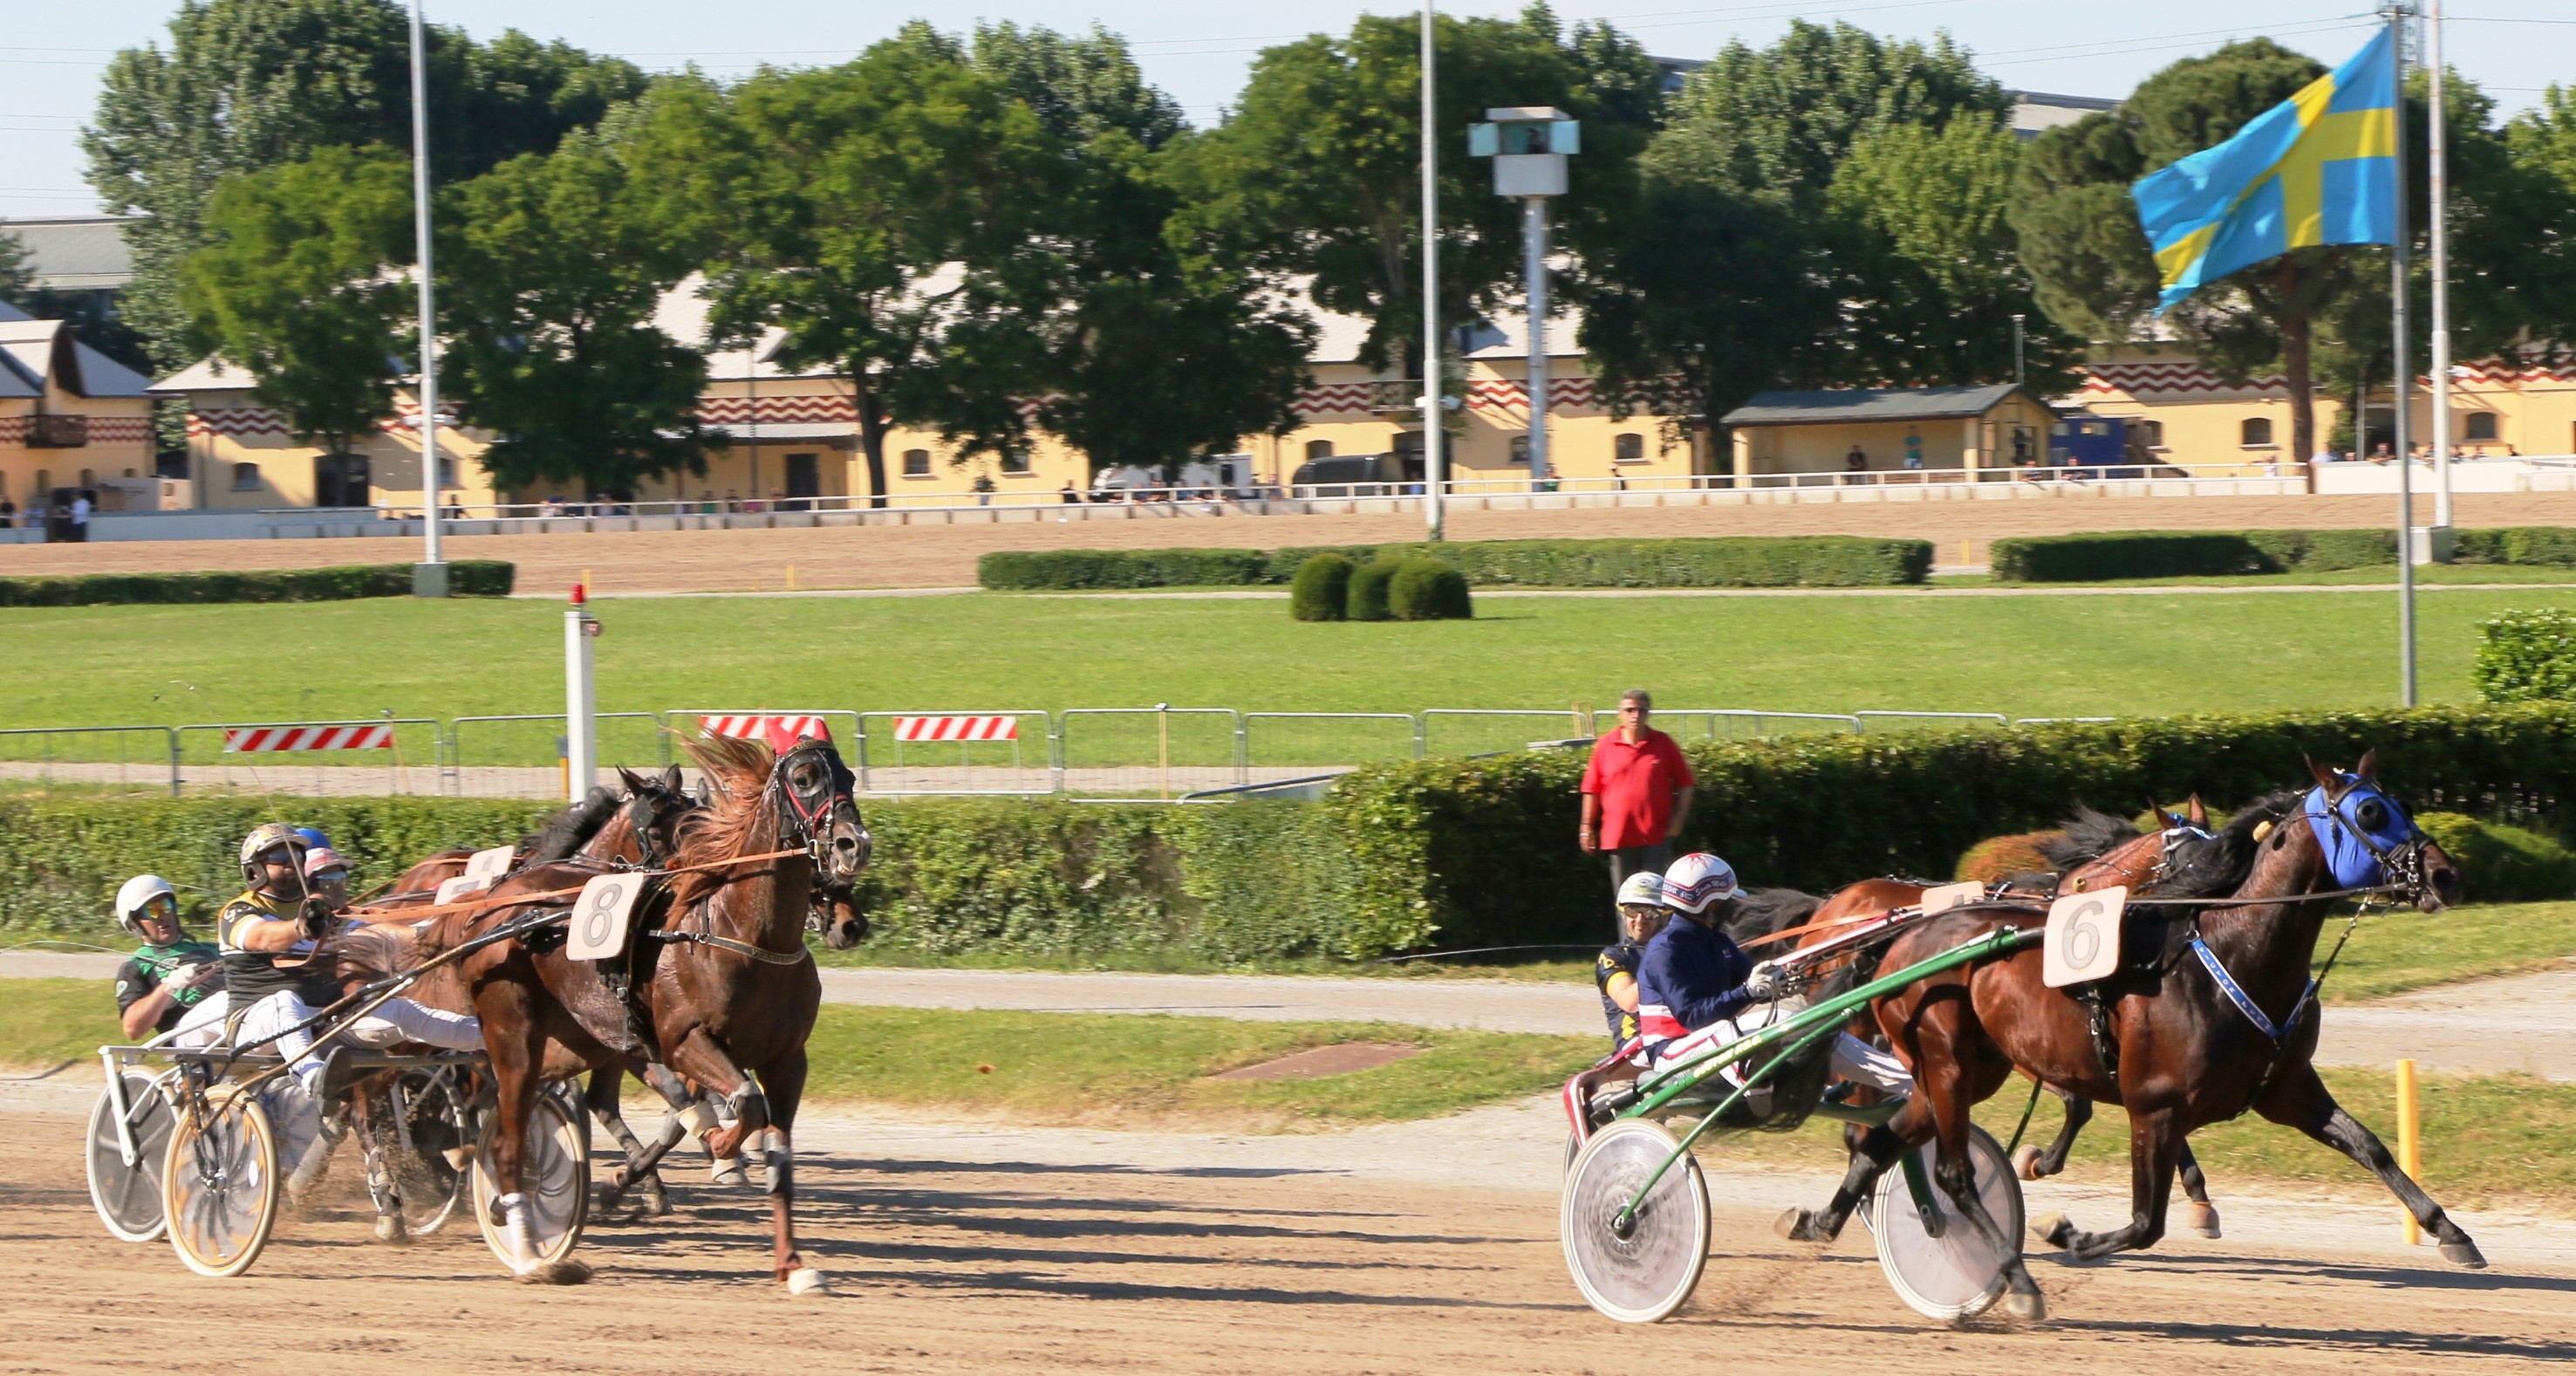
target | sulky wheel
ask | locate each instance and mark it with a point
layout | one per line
(1643, 1272)
(219, 1182)
(557, 1175)
(1957, 1275)
(430, 1131)
(126, 1190)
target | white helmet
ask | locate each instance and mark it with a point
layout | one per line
(1697, 880)
(1644, 888)
(137, 894)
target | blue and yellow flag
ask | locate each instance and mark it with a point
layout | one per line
(2321, 168)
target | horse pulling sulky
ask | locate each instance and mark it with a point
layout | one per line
(2187, 1006)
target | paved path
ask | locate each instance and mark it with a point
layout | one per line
(2522, 1022)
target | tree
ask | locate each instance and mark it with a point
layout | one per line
(866, 211)
(251, 84)
(1315, 175)
(17, 271)
(294, 288)
(549, 275)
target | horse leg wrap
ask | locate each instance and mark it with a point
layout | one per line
(514, 1226)
(780, 1161)
(666, 1082)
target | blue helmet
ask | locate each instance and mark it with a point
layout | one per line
(313, 838)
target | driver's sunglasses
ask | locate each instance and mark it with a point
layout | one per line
(163, 906)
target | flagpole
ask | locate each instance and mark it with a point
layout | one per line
(2397, 259)
(1435, 472)
(2437, 187)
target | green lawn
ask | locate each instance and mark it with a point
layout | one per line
(2033, 656)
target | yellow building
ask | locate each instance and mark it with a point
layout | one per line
(1891, 429)
(70, 417)
(2196, 420)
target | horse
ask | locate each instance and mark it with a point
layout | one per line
(729, 1003)
(2092, 850)
(2192, 1040)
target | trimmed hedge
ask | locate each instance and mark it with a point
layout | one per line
(2183, 553)
(1368, 592)
(2501, 863)
(1814, 561)
(2527, 656)
(1425, 589)
(465, 578)
(1322, 590)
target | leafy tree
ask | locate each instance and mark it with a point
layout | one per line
(549, 275)
(293, 288)
(17, 271)
(251, 84)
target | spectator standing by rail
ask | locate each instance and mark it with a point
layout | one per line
(1636, 793)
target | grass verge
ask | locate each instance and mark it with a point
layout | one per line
(2395, 952)
(1068, 1069)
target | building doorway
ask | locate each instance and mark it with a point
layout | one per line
(1408, 455)
(340, 480)
(804, 480)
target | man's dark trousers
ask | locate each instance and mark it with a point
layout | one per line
(1631, 860)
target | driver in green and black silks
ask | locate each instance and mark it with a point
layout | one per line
(1614, 972)
(170, 979)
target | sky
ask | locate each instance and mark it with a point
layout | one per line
(51, 54)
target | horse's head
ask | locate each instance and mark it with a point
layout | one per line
(2367, 838)
(645, 829)
(837, 916)
(819, 813)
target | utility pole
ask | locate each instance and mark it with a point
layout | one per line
(429, 576)
(581, 717)
(2397, 258)
(2019, 379)
(2437, 188)
(1434, 469)
(1529, 144)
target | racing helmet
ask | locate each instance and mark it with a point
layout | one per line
(266, 837)
(138, 894)
(314, 838)
(1698, 880)
(322, 858)
(1645, 888)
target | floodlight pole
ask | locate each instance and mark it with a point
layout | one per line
(2397, 260)
(1529, 145)
(429, 576)
(2018, 379)
(1434, 469)
(2437, 191)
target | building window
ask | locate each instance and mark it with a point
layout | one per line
(1320, 449)
(1628, 449)
(1520, 448)
(2256, 433)
(1016, 463)
(2152, 433)
(916, 463)
(245, 477)
(2482, 426)
(45, 476)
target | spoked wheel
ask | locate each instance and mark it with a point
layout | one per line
(1957, 1275)
(430, 1132)
(1642, 1272)
(557, 1173)
(220, 1182)
(127, 1194)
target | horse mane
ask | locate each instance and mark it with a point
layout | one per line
(2086, 837)
(375, 951)
(1760, 912)
(570, 829)
(739, 772)
(2218, 866)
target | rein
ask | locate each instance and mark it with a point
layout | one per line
(514, 900)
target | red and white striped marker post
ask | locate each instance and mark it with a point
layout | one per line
(957, 728)
(252, 740)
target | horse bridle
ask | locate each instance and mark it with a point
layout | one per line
(807, 824)
(2401, 866)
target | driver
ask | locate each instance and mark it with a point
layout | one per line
(1696, 988)
(1614, 972)
(169, 981)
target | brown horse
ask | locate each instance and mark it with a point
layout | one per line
(2215, 1019)
(723, 990)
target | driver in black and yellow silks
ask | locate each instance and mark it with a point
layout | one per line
(1614, 972)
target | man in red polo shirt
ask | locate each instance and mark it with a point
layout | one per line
(1636, 793)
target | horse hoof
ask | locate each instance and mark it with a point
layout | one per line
(458, 1158)
(2464, 1253)
(391, 1232)
(805, 1280)
(1802, 1225)
(2026, 1306)
(729, 1171)
(658, 1206)
(2054, 1229)
(2026, 1162)
(566, 1272)
(2201, 1219)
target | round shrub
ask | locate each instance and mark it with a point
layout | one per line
(2502, 863)
(1428, 590)
(1369, 583)
(1321, 588)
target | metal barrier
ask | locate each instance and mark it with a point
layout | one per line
(1477, 731)
(120, 759)
(1302, 740)
(522, 756)
(957, 752)
(1160, 751)
(308, 757)
(1931, 718)
(1738, 723)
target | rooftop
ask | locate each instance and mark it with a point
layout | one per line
(1861, 406)
(75, 252)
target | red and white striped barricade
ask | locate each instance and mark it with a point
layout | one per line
(781, 730)
(957, 728)
(249, 740)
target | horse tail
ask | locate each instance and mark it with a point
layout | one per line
(1761, 912)
(371, 952)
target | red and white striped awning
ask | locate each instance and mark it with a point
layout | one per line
(780, 730)
(249, 739)
(957, 728)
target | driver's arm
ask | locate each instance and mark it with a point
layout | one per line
(267, 934)
(140, 1016)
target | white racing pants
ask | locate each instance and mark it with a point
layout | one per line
(203, 1023)
(396, 1020)
(1853, 1059)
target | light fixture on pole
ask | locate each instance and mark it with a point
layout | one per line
(1529, 144)
(429, 576)
(1434, 469)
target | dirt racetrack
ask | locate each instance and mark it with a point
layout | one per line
(970, 1249)
(920, 556)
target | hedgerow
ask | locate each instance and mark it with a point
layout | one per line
(465, 578)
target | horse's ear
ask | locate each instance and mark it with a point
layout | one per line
(2197, 812)
(2325, 777)
(671, 777)
(629, 778)
(2368, 769)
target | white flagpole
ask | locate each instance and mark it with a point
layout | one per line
(2436, 187)
(1434, 470)
(429, 577)
(2397, 258)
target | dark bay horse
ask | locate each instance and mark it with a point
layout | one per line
(2189, 1051)
(723, 989)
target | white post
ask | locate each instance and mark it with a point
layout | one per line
(2397, 257)
(581, 727)
(1434, 470)
(1534, 247)
(429, 577)
(2436, 186)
